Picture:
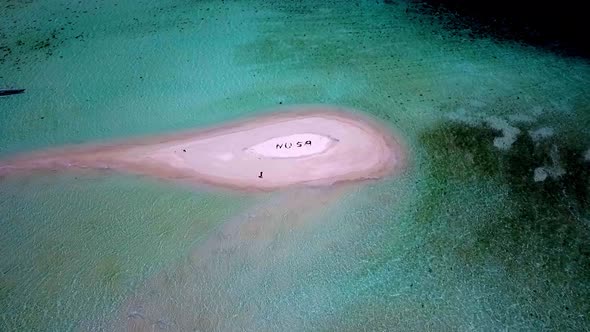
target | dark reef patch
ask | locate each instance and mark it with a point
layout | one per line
(539, 238)
(468, 148)
(560, 27)
(462, 151)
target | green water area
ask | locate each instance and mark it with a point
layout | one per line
(487, 228)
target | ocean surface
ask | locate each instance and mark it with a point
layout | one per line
(487, 229)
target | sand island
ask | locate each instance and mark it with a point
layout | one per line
(305, 145)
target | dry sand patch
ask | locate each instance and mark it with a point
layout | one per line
(305, 145)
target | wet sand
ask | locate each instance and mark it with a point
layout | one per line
(305, 145)
(208, 290)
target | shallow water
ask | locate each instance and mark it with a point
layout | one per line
(465, 239)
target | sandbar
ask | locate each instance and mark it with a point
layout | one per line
(300, 145)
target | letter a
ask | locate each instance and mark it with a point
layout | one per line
(307, 142)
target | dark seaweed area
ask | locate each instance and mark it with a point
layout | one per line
(542, 236)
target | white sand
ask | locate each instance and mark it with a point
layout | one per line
(292, 146)
(540, 134)
(554, 171)
(325, 145)
(509, 133)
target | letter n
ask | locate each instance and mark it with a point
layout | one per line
(279, 146)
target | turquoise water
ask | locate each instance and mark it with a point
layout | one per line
(465, 239)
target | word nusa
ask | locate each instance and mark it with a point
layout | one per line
(290, 145)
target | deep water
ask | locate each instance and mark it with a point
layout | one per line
(487, 229)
